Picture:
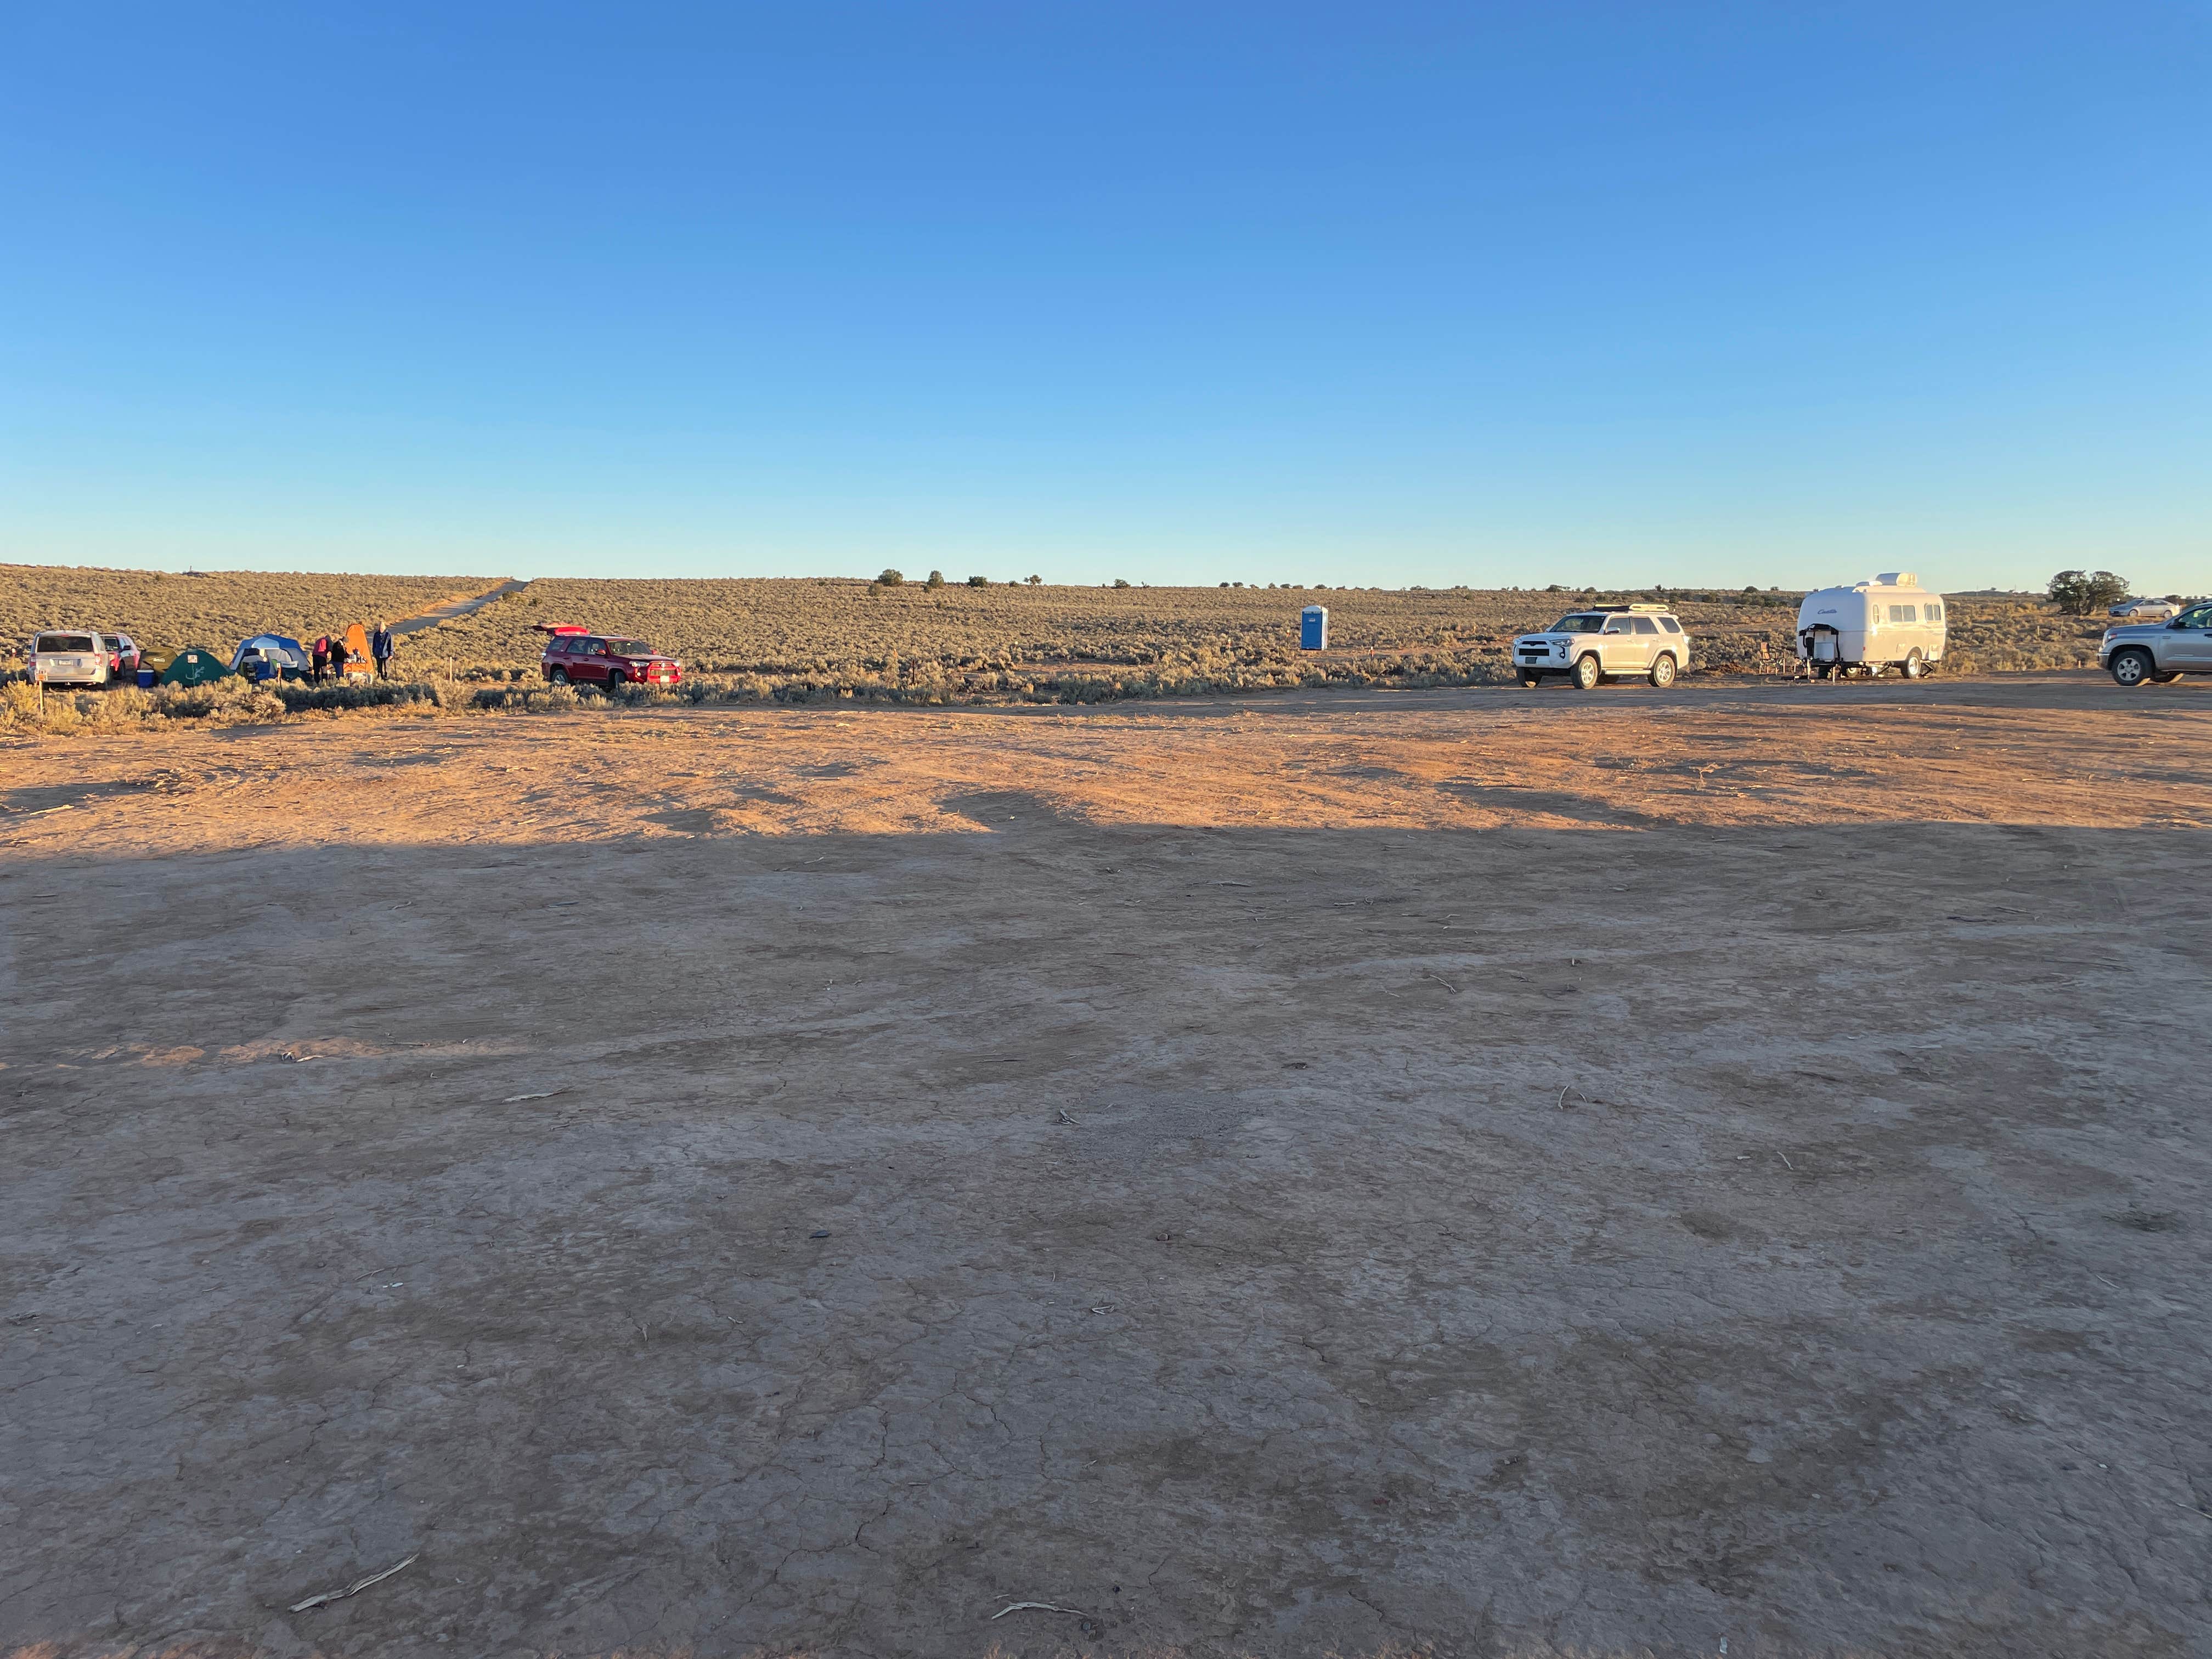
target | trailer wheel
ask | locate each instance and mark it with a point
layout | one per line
(2131, 667)
(1586, 673)
(1914, 667)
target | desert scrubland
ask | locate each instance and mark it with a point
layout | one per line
(1453, 1171)
(793, 641)
(215, 608)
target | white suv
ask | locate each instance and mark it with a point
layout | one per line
(1605, 642)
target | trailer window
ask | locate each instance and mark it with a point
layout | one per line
(1934, 613)
(1904, 613)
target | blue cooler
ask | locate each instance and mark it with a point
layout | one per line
(146, 678)
(1313, 627)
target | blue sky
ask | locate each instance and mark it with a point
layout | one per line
(1509, 293)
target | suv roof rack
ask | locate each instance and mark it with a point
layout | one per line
(1649, 609)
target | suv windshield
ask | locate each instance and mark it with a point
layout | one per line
(628, 648)
(1582, 621)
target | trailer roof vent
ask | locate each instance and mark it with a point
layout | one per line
(1897, 579)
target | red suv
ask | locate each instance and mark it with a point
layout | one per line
(596, 659)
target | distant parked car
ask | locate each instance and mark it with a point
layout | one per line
(1605, 642)
(2159, 653)
(68, 657)
(599, 659)
(2144, 610)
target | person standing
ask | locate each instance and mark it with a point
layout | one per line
(381, 648)
(319, 658)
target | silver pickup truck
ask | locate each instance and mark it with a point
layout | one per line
(2158, 653)
(1605, 642)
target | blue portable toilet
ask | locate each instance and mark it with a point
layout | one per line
(1313, 627)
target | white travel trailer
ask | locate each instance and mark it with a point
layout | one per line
(1868, 627)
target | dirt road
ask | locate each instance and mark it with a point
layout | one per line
(455, 609)
(1479, 1169)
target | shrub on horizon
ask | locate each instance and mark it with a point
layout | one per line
(2082, 592)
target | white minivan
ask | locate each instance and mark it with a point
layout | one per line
(1869, 627)
(67, 657)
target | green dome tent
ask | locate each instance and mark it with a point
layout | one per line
(194, 666)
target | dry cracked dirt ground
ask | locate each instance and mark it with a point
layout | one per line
(1483, 1171)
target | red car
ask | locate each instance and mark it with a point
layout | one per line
(122, 656)
(597, 659)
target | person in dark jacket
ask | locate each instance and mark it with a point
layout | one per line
(319, 658)
(380, 646)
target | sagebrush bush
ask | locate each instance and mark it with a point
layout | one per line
(298, 695)
(228, 702)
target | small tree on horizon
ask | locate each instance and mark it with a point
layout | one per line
(2081, 592)
(892, 579)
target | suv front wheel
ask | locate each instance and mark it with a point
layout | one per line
(1663, 671)
(2132, 667)
(1586, 673)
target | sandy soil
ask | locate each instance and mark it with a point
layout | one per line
(1481, 1168)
